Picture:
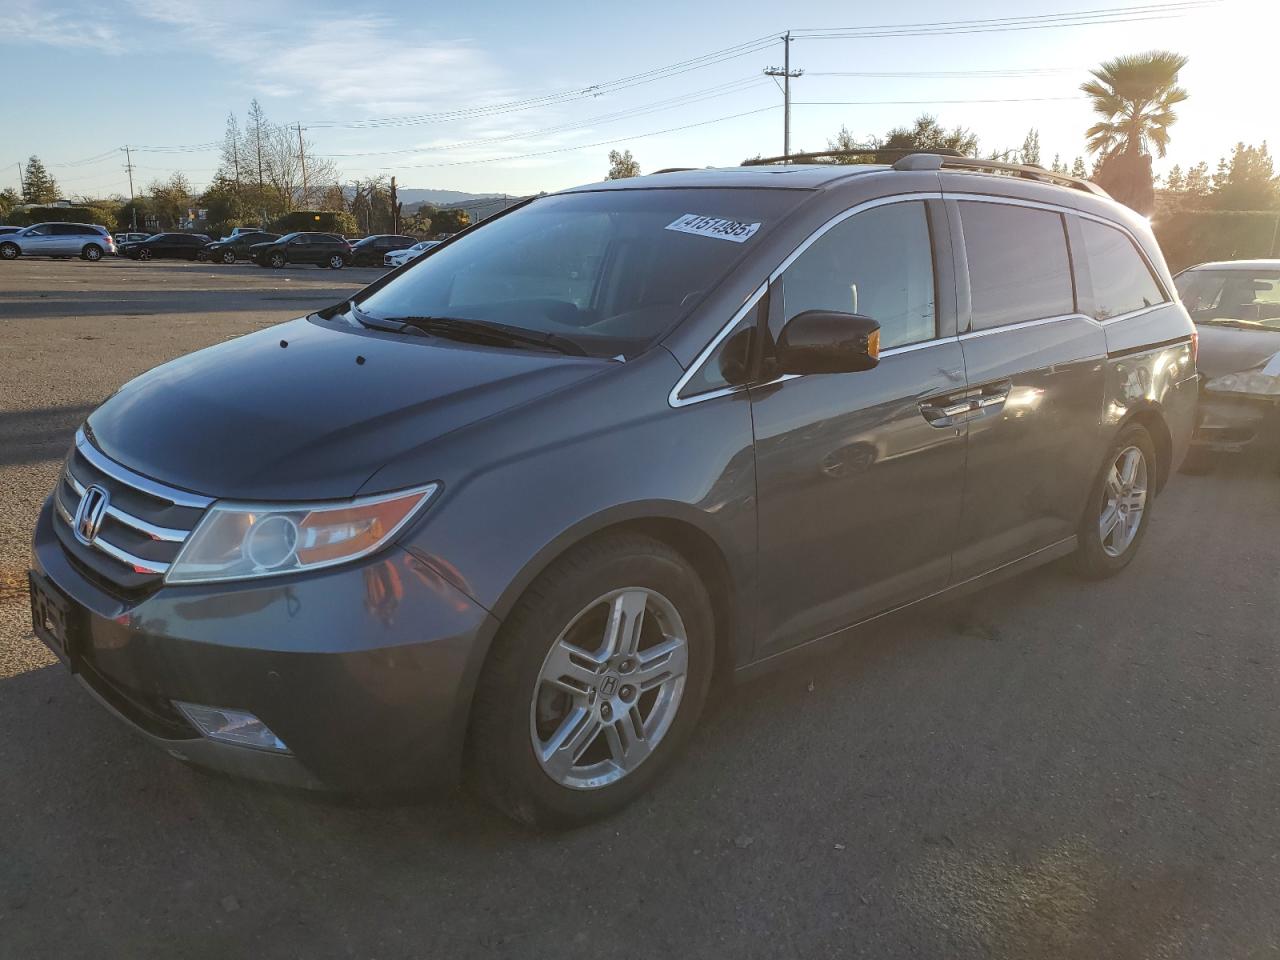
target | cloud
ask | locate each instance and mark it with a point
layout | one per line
(27, 23)
(366, 63)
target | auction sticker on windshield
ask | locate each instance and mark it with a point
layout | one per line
(718, 227)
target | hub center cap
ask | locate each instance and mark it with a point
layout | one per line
(609, 685)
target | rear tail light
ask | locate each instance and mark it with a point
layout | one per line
(1195, 348)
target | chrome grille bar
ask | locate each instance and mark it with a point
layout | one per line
(168, 534)
(151, 488)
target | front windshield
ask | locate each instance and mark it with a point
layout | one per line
(1250, 297)
(612, 270)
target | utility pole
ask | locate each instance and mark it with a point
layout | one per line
(786, 73)
(302, 158)
(133, 206)
(22, 182)
(395, 208)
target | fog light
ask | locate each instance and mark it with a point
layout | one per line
(231, 726)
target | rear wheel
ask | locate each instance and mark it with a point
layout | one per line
(91, 251)
(593, 684)
(144, 253)
(278, 260)
(10, 251)
(202, 256)
(1119, 509)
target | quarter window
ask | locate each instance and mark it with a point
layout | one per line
(878, 263)
(1122, 281)
(1018, 264)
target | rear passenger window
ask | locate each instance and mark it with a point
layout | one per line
(1018, 264)
(1122, 281)
(878, 263)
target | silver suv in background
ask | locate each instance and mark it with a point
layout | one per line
(89, 241)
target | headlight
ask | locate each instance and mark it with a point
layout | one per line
(1254, 382)
(241, 541)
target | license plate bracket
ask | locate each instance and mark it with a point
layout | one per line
(52, 619)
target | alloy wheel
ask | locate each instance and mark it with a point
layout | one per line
(144, 254)
(335, 262)
(1124, 501)
(92, 252)
(609, 688)
(228, 256)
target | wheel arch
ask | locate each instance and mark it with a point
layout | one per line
(679, 526)
(1151, 418)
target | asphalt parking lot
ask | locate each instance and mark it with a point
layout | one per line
(1051, 768)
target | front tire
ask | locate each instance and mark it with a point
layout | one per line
(91, 252)
(278, 260)
(228, 257)
(143, 254)
(1119, 507)
(593, 684)
(10, 251)
(336, 262)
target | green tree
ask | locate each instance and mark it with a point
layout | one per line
(170, 199)
(449, 221)
(1030, 152)
(1174, 181)
(622, 165)
(9, 199)
(1135, 96)
(1247, 181)
(923, 136)
(1078, 169)
(38, 186)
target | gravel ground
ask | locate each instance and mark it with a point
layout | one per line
(1047, 769)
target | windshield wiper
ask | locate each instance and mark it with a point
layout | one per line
(1238, 324)
(370, 321)
(487, 331)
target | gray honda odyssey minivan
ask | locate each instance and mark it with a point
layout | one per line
(505, 513)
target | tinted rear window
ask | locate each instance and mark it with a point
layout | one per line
(613, 270)
(1122, 282)
(1018, 264)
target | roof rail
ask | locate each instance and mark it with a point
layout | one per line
(939, 161)
(886, 152)
(671, 170)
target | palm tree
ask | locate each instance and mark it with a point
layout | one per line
(1135, 95)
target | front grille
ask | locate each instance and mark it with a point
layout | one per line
(142, 528)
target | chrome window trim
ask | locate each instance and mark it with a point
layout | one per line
(675, 400)
(153, 488)
(1071, 211)
(1021, 324)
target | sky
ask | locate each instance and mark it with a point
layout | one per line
(513, 97)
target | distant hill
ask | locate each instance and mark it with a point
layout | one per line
(412, 196)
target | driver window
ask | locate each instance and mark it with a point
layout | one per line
(878, 263)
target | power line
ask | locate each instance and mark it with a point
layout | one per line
(598, 143)
(589, 91)
(923, 103)
(733, 86)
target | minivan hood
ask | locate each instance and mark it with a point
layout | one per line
(254, 419)
(1225, 349)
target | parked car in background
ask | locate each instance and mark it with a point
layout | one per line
(1235, 306)
(506, 513)
(320, 249)
(123, 238)
(167, 246)
(236, 246)
(398, 258)
(89, 241)
(370, 251)
(239, 231)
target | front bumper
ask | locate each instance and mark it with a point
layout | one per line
(365, 671)
(1231, 423)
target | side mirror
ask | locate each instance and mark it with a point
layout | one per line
(824, 341)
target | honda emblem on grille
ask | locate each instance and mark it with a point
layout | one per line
(90, 513)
